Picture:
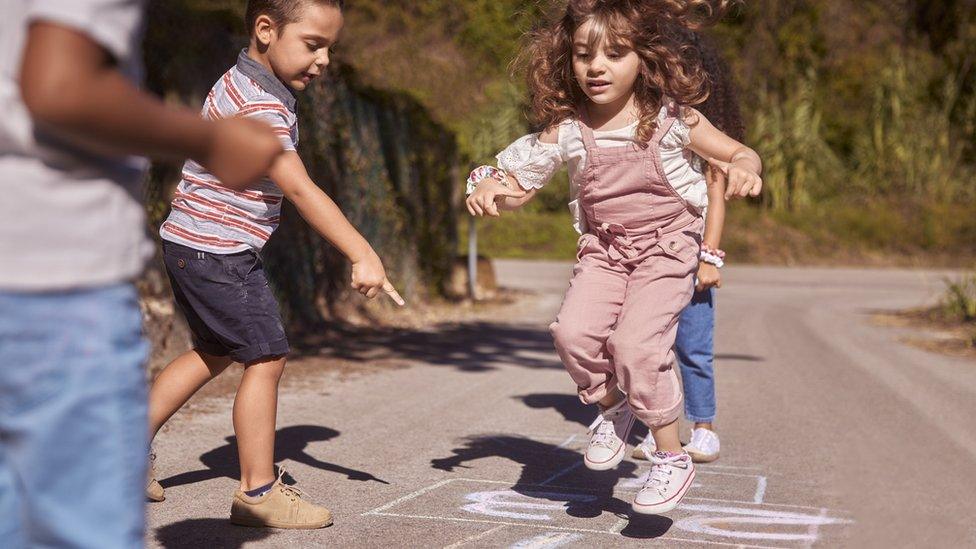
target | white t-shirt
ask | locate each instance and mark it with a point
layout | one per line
(68, 218)
(533, 163)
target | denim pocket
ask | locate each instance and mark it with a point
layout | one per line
(242, 265)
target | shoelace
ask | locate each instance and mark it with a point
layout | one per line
(604, 435)
(603, 429)
(291, 491)
(662, 467)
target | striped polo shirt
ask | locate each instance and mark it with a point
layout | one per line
(210, 217)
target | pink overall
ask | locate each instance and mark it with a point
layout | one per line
(634, 275)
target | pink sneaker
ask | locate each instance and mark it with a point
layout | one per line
(609, 437)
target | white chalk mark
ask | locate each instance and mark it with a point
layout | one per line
(572, 467)
(705, 466)
(713, 525)
(548, 541)
(720, 473)
(567, 442)
(409, 496)
(515, 505)
(742, 502)
(710, 519)
(568, 529)
(814, 530)
(476, 537)
(619, 526)
(760, 490)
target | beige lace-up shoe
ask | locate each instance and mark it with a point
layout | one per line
(283, 506)
(154, 490)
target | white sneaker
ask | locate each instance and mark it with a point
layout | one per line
(609, 437)
(671, 477)
(645, 449)
(703, 447)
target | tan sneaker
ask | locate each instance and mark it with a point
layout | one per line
(154, 490)
(280, 507)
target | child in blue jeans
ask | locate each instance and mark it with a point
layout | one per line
(696, 326)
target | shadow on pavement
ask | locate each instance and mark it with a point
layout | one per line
(739, 357)
(540, 478)
(469, 347)
(208, 532)
(290, 444)
(572, 410)
(646, 526)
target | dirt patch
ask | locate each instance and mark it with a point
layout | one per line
(935, 334)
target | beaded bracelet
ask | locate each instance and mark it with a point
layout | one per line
(714, 251)
(712, 256)
(486, 172)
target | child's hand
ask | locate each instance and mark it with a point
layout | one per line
(484, 200)
(369, 279)
(241, 151)
(709, 276)
(740, 182)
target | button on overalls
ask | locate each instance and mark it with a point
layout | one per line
(634, 276)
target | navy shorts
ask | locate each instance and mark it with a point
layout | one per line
(227, 302)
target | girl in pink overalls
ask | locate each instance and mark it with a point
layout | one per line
(612, 91)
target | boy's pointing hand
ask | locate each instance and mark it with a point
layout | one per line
(394, 295)
(369, 278)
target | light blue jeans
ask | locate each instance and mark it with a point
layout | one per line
(73, 425)
(694, 346)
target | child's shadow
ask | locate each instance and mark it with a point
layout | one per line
(542, 464)
(572, 410)
(208, 532)
(290, 443)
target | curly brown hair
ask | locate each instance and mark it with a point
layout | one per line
(721, 108)
(652, 28)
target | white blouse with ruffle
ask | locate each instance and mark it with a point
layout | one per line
(533, 163)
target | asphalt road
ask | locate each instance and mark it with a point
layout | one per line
(834, 432)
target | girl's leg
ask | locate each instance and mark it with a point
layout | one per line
(612, 399)
(641, 345)
(178, 382)
(255, 413)
(694, 348)
(586, 320)
(666, 438)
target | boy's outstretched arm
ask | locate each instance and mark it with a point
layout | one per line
(322, 213)
(71, 87)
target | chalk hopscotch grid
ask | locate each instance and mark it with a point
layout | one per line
(615, 530)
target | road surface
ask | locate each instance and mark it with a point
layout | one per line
(834, 432)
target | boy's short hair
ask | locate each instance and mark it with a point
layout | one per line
(281, 12)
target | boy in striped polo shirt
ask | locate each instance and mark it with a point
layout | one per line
(211, 241)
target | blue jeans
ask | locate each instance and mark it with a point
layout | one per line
(73, 421)
(694, 347)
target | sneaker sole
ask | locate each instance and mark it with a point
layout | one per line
(255, 523)
(703, 458)
(617, 458)
(667, 506)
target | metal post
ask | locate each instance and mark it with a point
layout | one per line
(473, 257)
